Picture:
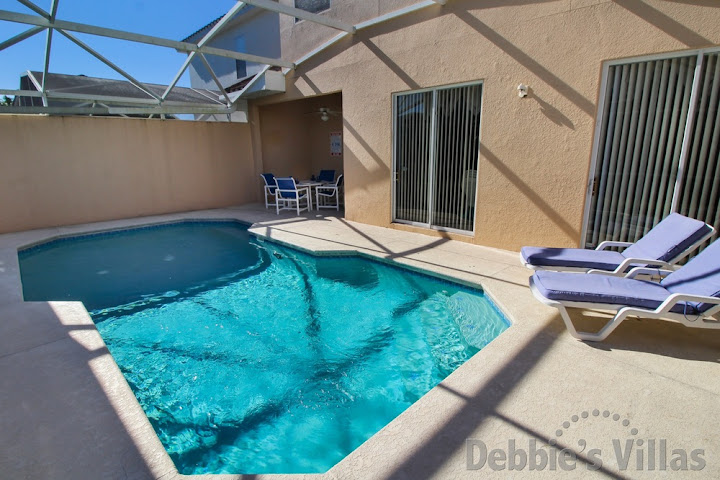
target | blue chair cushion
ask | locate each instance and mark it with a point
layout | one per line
(328, 191)
(668, 239)
(588, 288)
(571, 257)
(285, 194)
(326, 176)
(288, 189)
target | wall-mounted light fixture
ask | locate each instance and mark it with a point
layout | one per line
(522, 90)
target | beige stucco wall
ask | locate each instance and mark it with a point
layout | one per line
(536, 151)
(68, 170)
(284, 136)
(299, 38)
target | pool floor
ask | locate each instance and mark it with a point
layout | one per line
(283, 363)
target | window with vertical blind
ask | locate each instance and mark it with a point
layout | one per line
(435, 156)
(656, 146)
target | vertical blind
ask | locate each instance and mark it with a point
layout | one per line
(458, 130)
(647, 110)
(435, 157)
(413, 128)
(698, 196)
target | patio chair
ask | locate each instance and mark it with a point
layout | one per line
(671, 240)
(330, 194)
(269, 188)
(288, 194)
(689, 295)
(326, 176)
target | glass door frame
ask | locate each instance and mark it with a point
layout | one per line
(602, 100)
(433, 157)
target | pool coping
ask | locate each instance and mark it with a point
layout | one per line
(45, 236)
(389, 452)
(142, 225)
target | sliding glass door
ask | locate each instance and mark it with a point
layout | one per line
(414, 125)
(698, 190)
(435, 156)
(656, 146)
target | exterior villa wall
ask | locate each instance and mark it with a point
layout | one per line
(535, 152)
(299, 38)
(261, 36)
(68, 170)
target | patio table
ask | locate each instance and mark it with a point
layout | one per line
(310, 185)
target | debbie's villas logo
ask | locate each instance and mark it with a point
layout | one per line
(627, 451)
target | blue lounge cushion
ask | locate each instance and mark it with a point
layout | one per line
(701, 276)
(603, 289)
(669, 238)
(666, 241)
(572, 257)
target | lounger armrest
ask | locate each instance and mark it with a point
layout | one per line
(676, 298)
(620, 271)
(647, 271)
(656, 265)
(610, 243)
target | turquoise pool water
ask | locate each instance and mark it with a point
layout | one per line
(250, 357)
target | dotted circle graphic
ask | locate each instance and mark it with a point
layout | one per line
(595, 413)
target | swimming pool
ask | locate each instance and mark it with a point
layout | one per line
(251, 357)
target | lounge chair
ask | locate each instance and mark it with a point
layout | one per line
(689, 295)
(288, 194)
(269, 188)
(667, 243)
(326, 176)
(330, 194)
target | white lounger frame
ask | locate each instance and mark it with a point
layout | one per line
(620, 271)
(702, 320)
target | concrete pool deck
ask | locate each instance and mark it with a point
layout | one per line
(67, 412)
